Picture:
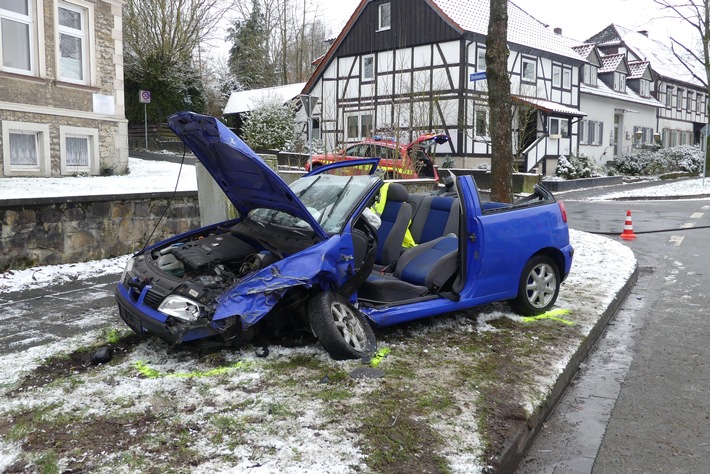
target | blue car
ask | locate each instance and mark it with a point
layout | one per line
(313, 255)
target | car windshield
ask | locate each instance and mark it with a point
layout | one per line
(329, 198)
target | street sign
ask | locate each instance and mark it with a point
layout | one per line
(309, 103)
(477, 76)
(144, 97)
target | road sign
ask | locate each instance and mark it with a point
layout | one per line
(144, 97)
(477, 76)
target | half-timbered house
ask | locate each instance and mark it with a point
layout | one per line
(401, 67)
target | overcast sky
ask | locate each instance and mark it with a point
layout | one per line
(579, 19)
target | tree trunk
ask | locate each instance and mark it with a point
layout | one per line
(499, 103)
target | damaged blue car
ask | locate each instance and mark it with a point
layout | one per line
(313, 255)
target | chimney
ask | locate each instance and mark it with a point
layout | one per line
(644, 32)
(558, 31)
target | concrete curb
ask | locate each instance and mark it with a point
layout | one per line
(518, 445)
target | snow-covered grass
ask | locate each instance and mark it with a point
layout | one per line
(144, 176)
(437, 406)
(688, 187)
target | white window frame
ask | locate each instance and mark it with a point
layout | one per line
(87, 36)
(363, 70)
(92, 135)
(381, 18)
(619, 81)
(566, 78)
(528, 61)
(590, 132)
(361, 132)
(478, 111)
(644, 88)
(679, 100)
(556, 75)
(590, 75)
(561, 128)
(43, 157)
(669, 97)
(481, 59)
(33, 27)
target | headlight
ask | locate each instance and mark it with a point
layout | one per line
(128, 268)
(180, 308)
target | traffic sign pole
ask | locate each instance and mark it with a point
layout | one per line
(144, 98)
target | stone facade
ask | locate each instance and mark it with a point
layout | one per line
(67, 230)
(39, 101)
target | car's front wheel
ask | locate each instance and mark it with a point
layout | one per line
(538, 287)
(341, 328)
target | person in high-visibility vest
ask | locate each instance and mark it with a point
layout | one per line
(379, 208)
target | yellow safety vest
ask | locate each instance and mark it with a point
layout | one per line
(379, 207)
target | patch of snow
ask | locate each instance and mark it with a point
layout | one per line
(145, 176)
(686, 187)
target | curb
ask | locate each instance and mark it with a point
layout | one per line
(517, 446)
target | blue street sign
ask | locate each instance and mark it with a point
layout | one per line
(477, 76)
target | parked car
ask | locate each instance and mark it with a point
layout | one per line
(308, 256)
(409, 161)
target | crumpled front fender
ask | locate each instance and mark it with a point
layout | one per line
(324, 264)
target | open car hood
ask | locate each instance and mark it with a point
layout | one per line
(244, 177)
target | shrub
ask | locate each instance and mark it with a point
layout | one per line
(684, 158)
(574, 167)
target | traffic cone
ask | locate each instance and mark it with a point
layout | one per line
(628, 233)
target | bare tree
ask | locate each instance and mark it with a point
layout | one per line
(499, 102)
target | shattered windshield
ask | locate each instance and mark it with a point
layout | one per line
(329, 198)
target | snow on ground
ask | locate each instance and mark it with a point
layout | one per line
(686, 187)
(144, 176)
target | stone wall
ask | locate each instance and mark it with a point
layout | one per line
(66, 230)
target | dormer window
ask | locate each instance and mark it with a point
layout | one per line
(384, 17)
(590, 75)
(644, 88)
(619, 82)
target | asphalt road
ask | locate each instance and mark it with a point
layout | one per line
(639, 403)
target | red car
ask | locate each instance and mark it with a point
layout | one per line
(410, 161)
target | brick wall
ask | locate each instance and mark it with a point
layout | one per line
(67, 230)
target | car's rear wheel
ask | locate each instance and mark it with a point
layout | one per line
(341, 328)
(538, 287)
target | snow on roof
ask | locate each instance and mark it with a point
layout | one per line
(584, 50)
(523, 29)
(611, 62)
(602, 90)
(637, 69)
(549, 106)
(246, 101)
(663, 60)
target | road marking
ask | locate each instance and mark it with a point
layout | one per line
(677, 240)
(697, 215)
(705, 208)
(687, 225)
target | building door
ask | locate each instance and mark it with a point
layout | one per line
(618, 134)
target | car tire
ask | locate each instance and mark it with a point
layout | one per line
(538, 287)
(341, 328)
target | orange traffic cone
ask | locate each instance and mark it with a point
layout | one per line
(628, 233)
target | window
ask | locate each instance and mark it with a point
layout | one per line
(481, 59)
(72, 43)
(315, 129)
(481, 122)
(701, 110)
(691, 102)
(590, 132)
(669, 96)
(25, 148)
(559, 128)
(590, 75)
(556, 75)
(567, 78)
(16, 34)
(644, 88)
(619, 82)
(642, 135)
(679, 100)
(385, 17)
(358, 126)
(79, 150)
(529, 70)
(368, 67)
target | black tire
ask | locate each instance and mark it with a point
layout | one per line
(538, 288)
(341, 328)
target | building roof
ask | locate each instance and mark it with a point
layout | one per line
(637, 69)
(662, 58)
(246, 101)
(523, 29)
(549, 106)
(611, 62)
(602, 90)
(584, 50)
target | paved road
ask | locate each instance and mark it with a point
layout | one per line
(640, 404)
